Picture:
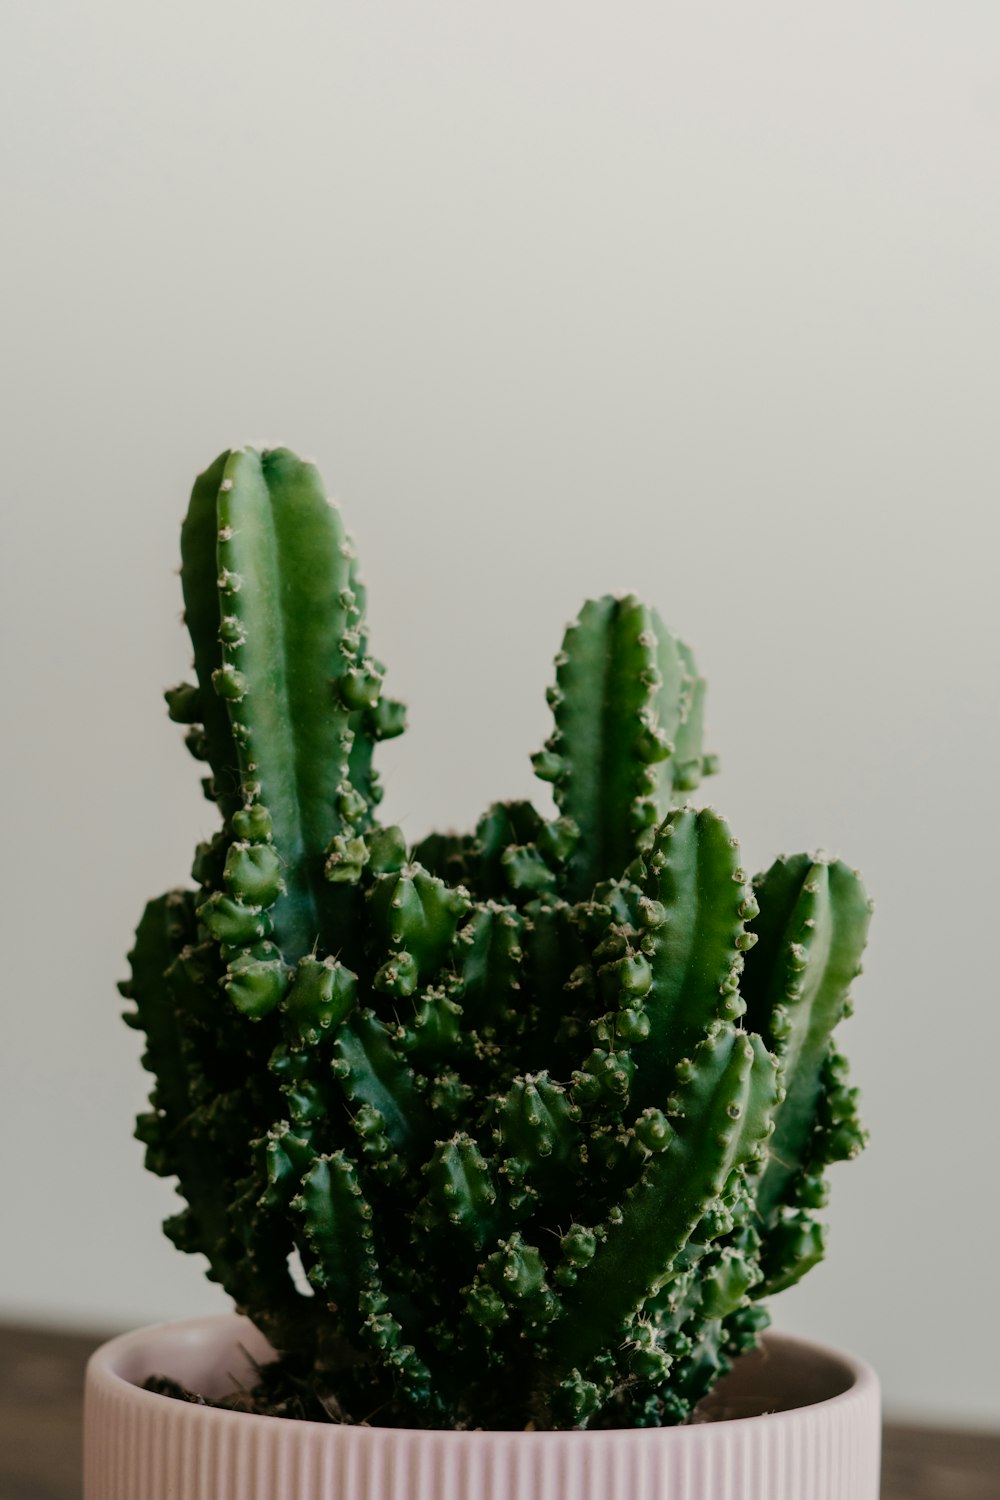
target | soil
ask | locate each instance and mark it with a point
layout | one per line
(278, 1392)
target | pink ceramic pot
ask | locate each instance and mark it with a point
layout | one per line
(819, 1438)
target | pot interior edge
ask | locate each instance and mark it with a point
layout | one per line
(216, 1355)
(783, 1374)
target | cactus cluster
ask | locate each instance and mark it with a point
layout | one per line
(516, 1128)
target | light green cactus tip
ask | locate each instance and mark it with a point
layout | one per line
(543, 1110)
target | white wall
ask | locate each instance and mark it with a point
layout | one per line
(695, 299)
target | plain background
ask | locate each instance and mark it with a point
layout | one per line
(699, 300)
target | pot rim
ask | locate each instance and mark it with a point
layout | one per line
(104, 1376)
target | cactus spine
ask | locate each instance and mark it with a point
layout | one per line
(543, 1110)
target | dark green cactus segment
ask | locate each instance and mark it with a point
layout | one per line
(507, 857)
(386, 850)
(435, 1035)
(287, 1159)
(373, 1073)
(377, 718)
(622, 694)
(502, 825)
(578, 1246)
(490, 956)
(603, 1083)
(414, 915)
(233, 923)
(538, 1135)
(195, 1131)
(337, 1222)
(184, 704)
(370, 727)
(166, 926)
(513, 1286)
(576, 1400)
(256, 985)
(793, 1245)
(307, 1088)
(462, 1192)
(383, 1332)
(323, 994)
(695, 953)
(253, 873)
(721, 1115)
(726, 1276)
(839, 1133)
(690, 763)
(450, 856)
(202, 614)
(558, 979)
(813, 925)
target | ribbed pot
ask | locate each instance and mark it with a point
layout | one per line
(817, 1439)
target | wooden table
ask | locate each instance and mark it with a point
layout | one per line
(41, 1377)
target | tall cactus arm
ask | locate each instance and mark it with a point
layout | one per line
(286, 666)
(622, 693)
(720, 1116)
(695, 953)
(813, 924)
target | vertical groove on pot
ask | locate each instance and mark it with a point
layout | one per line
(141, 1446)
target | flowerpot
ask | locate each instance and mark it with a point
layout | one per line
(794, 1421)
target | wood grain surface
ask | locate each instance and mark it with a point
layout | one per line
(41, 1408)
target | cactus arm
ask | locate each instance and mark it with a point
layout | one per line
(160, 938)
(415, 916)
(290, 675)
(369, 725)
(490, 960)
(795, 1239)
(622, 693)
(373, 1074)
(199, 575)
(695, 953)
(539, 1142)
(193, 1129)
(337, 1220)
(721, 1114)
(510, 1291)
(447, 855)
(553, 953)
(813, 926)
(689, 762)
(170, 1131)
(462, 1192)
(606, 736)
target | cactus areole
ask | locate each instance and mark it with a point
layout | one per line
(542, 1111)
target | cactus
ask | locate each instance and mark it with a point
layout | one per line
(542, 1112)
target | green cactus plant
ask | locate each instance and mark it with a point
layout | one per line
(543, 1111)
